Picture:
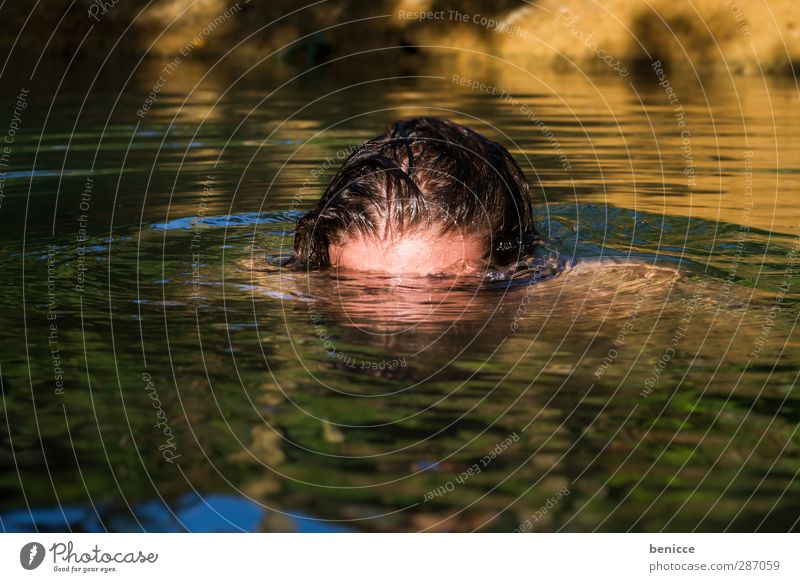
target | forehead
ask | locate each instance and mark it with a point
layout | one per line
(419, 253)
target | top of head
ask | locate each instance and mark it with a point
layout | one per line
(426, 179)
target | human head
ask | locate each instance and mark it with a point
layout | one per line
(426, 197)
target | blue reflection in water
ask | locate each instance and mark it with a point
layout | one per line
(192, 513)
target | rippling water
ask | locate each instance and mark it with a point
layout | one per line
(158, 374)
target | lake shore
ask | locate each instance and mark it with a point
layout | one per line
(614, 37)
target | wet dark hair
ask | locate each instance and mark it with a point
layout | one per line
(423, 173)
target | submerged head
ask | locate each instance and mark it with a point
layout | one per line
(428, 197)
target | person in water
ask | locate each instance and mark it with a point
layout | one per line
(429, 197)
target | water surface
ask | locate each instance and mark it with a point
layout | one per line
(158, 375)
